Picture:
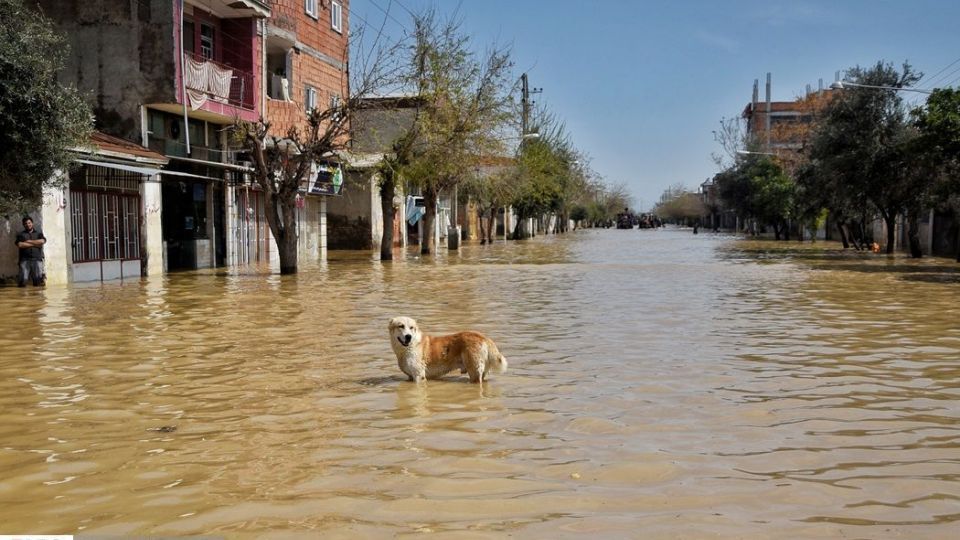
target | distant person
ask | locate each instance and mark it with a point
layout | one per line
(30, 241)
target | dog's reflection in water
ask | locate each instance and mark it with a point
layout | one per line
(449, 395)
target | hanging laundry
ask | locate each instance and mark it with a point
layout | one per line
(414, 212)
(219, 80)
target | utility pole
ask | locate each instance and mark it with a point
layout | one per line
(768, 119)
(525, 102)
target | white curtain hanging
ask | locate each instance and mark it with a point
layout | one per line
(219, 81)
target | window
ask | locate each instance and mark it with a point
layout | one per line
(105, 225)
(206, 41)
(309, 98)
(336, 16)
(280, 70)
(188, 37)
(310, 6)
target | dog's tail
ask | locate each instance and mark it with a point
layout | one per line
(497, 360)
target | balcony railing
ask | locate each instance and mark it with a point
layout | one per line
(207, 80)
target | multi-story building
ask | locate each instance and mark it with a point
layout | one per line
(305, 59)
(175, 75)
(778, 125)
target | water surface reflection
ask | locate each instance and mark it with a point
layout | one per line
(678, 385)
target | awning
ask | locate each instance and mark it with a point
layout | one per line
(120, 166)
(143, 170)
(189, 175)
(218, 164)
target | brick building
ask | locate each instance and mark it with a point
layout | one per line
(173, 76)
(306, 51)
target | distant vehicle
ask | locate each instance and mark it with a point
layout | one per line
(625, 220)
(649, 221)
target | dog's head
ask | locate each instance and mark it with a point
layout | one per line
(404, 331)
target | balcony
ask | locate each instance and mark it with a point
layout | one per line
(207, 80)
(220, 70)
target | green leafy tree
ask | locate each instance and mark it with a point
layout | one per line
(490, 189)
(858, 149)
(464, 101)
(774, 193)
(40, 119)
(538, 189)
(757, 187)
(938, 122)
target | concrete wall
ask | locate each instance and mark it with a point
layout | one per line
(121, 54)
(309, 221)
(377, 127)
(151, 206)
(54, 224)
(355, 218)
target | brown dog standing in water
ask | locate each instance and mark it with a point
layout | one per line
(430, 357)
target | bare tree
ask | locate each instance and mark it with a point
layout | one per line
(463, 103)
(283, 163)
(733, 139)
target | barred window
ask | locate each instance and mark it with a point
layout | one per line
(105, 225)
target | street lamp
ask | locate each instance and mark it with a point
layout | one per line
(527, 136)
(842, 85)
(747, 152)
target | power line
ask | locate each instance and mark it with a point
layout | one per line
(405, 8)
(934, 78)
(951, 74)
(387, 13)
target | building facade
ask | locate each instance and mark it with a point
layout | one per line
(306, 54)
(175, 75)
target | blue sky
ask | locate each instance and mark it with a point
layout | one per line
(641, 85)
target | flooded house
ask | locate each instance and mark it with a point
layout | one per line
(173, 77)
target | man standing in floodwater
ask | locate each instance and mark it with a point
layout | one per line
(30, 241)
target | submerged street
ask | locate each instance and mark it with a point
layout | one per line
(661, 384)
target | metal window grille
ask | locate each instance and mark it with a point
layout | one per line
(92, 228)
(105, 225)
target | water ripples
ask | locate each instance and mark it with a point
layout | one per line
(681, 385)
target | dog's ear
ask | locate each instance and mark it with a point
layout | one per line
(394, 322)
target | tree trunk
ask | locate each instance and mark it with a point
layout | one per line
(891, 220)
(519, 230)
(491, 223)
(287, 250)
(786, 231)
(429, 238)
(958, 246)
(913, 233)
(482, 225)
(282, 217)
(843, 235)
(387, 189)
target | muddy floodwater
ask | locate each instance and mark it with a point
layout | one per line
(661, 385)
